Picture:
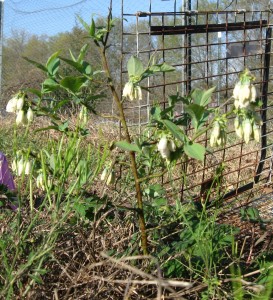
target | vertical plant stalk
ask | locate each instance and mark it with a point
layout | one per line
(118, 102)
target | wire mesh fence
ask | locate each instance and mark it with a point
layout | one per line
(209, 48)
(209, 43)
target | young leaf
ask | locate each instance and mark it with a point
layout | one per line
(196, 112)
(72, 63)
(36, 64)
(49, 85)
(92, 29)
(86, 68)
(83, 52)
(72, 56)
(156, 113)
(37, 278)
(83, 66)
(195, 150)
(202, 97)
(53, 63)
(175, 130)
(134, 66)
(63, 126)
(35, 92)
(72, 83)
(163, 68)
(127, 146)
(206, 97)
(84, 24)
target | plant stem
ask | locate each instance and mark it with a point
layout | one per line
(118, 102)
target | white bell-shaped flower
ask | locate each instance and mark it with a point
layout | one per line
(21, 118)
(163, 148)
(12, 105)
(128, 90)
(20, 103)
(28, 167)
(30, 115)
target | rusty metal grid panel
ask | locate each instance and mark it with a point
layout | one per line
(208, 48)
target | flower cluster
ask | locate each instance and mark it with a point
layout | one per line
(17, 105)
(244, 93)
(21, 166)
(247, 126)
(132, 91)
(165, 147)
(40, 181)
(218, 134)
(247, 122)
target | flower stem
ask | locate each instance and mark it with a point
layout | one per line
(141, 218)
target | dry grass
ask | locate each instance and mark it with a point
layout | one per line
(80, 265)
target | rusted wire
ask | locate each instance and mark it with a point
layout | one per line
(205, 58)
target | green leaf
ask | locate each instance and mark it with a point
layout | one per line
(127, 146)
(52, 161)
(47, 128)
(63, 126)
(83, 66)
(156, 69)
(92, 29)
(72, 83)
(41, 271)
(59, 104)
(35, 92)
(84, 24)
(53, 64)
(86, 68)
(251, 214)
(36, 64)
(156, 113)
(49, 85)
(159, 202)
(196, 112)
(162, 68)
(202, 97)
(206, 97)
(134, 66)
(175, 130)
(195, 150)
(72, 56)
(37, 278)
